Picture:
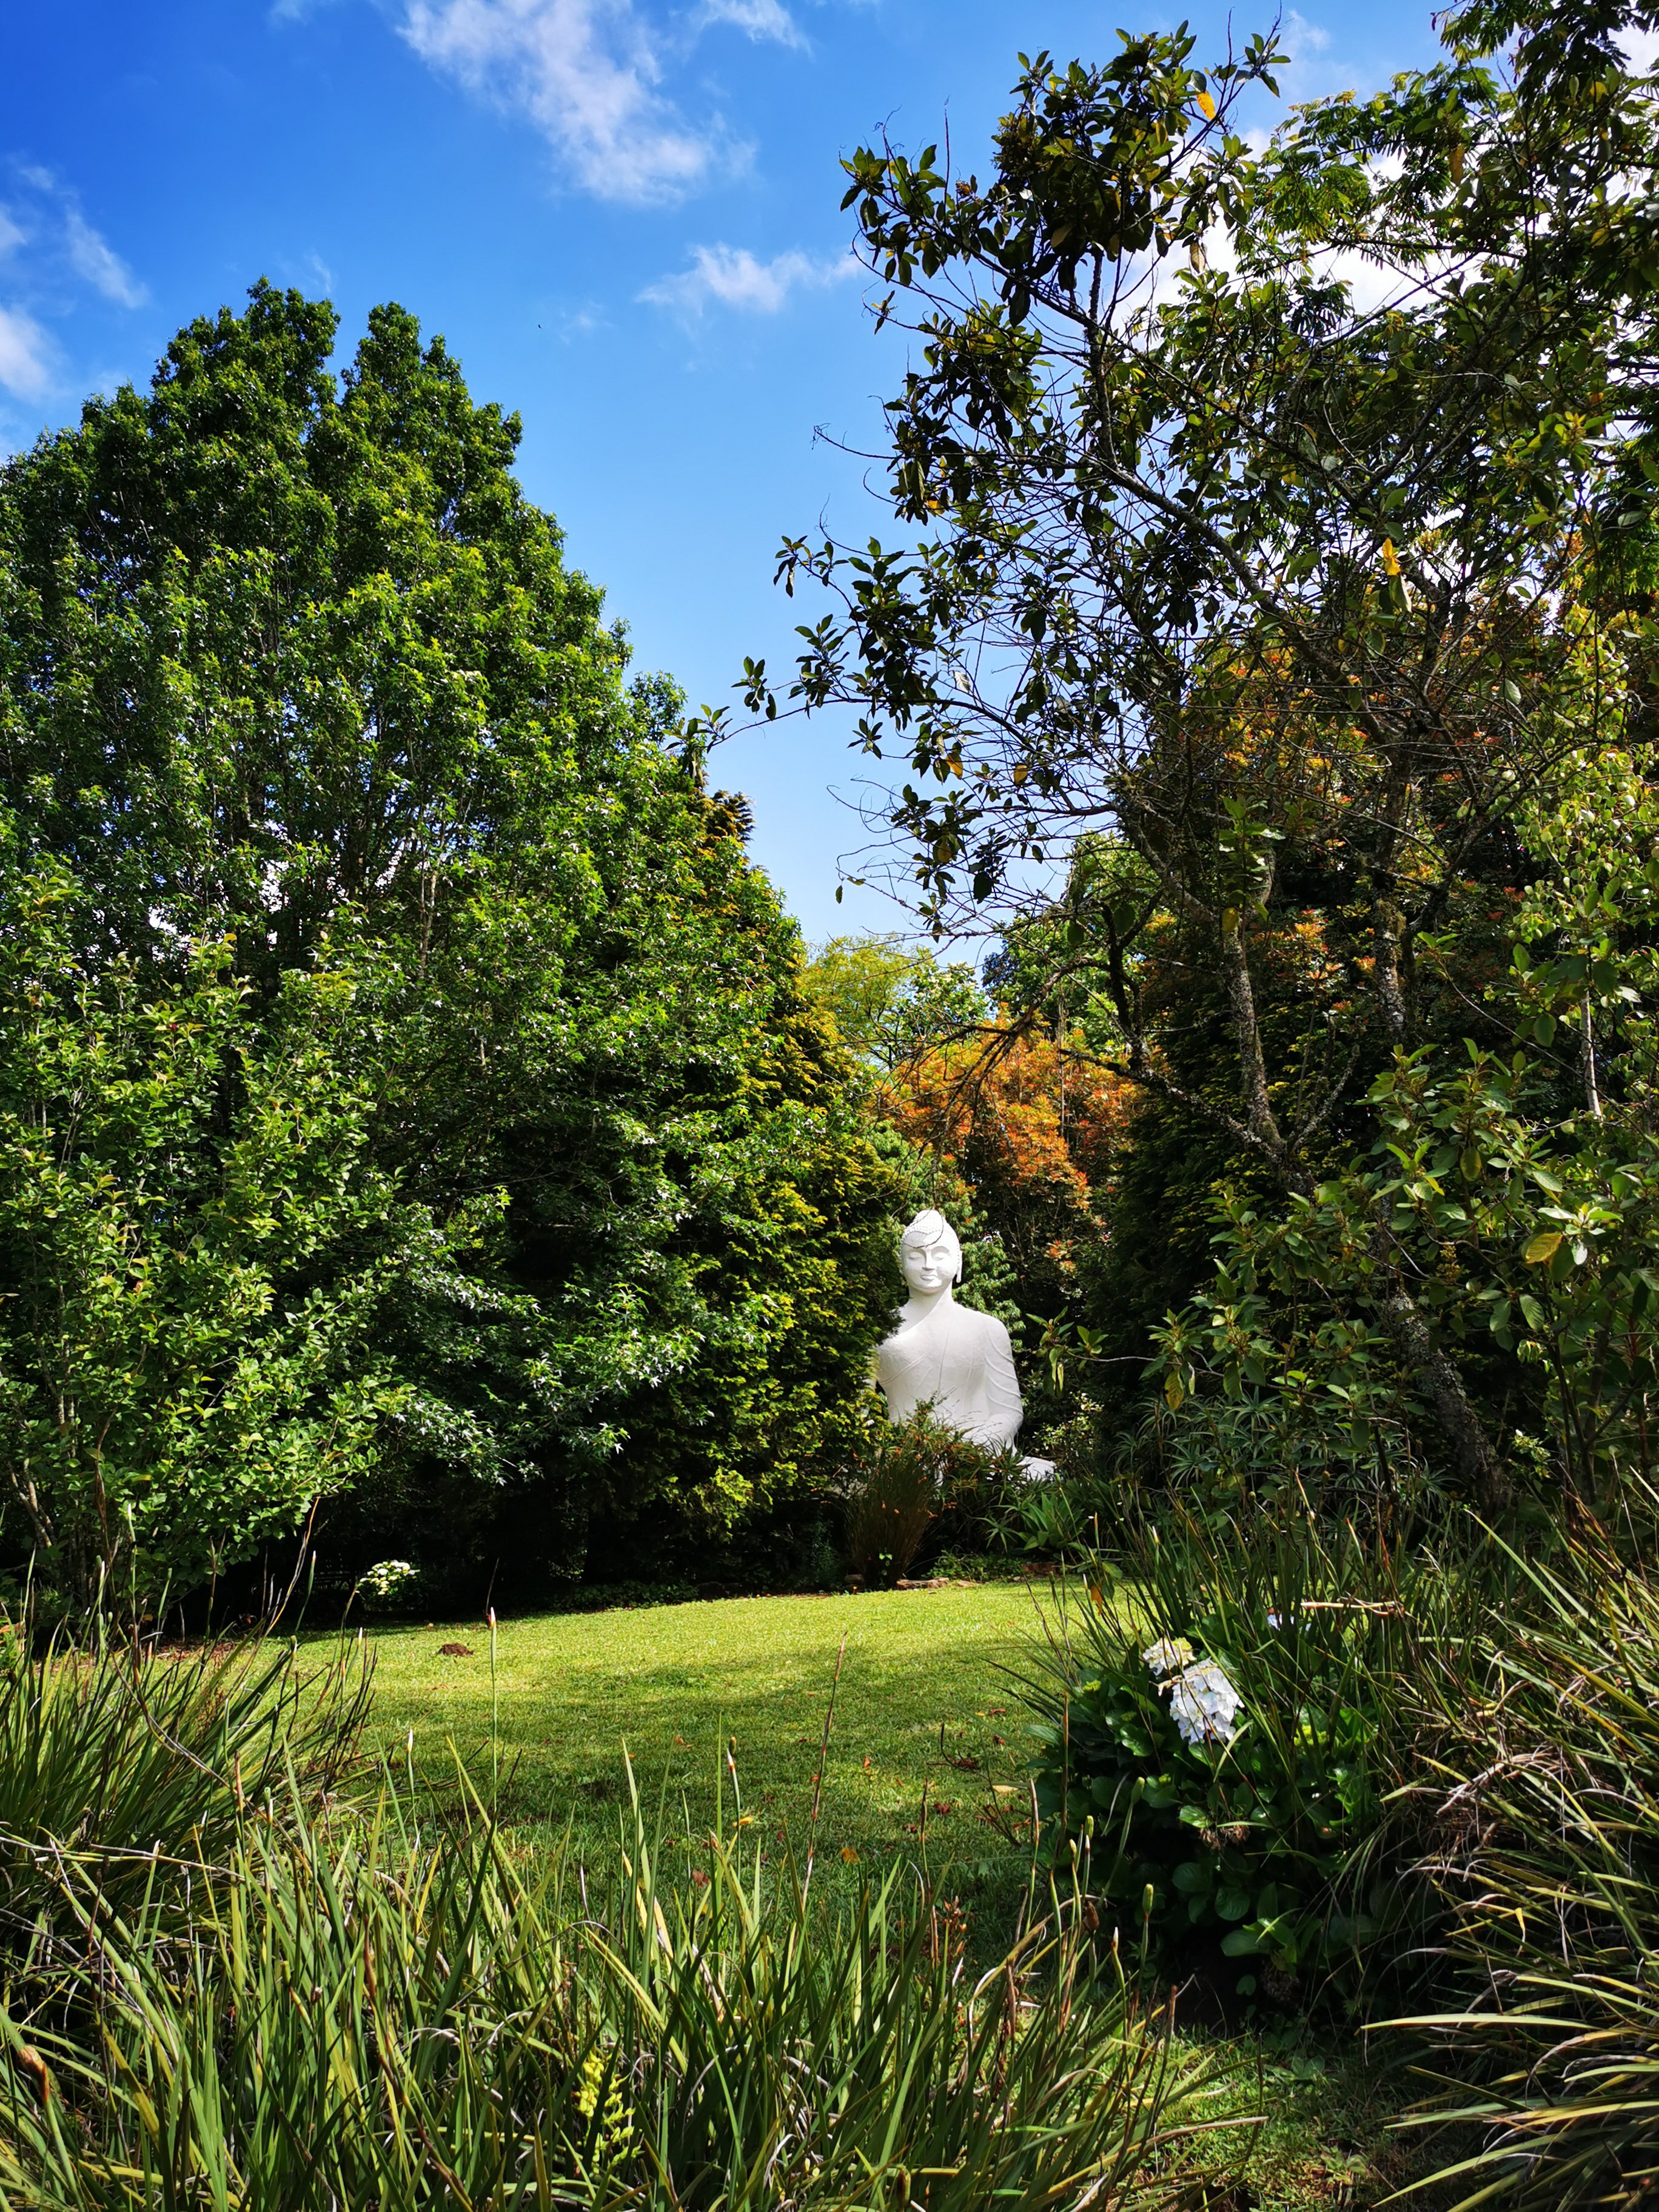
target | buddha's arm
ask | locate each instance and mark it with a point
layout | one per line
(1001, 1384)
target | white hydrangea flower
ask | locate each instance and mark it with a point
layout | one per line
(388, 1577)
(1168, 1656)
(1203, 1703)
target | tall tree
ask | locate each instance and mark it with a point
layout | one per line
(289, 662)
(1287, 516)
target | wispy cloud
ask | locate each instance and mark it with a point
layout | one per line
(1302, 37)
(50, 251)
(588, 73)
(93, 256)
(26, 356)
(732, 277)
(761, 19)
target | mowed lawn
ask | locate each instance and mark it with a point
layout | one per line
(927, 1709)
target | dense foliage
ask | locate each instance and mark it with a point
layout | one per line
(1286, 582)
(1538, 1756)
(196, 1246)
(368, 857)
(1225, 1729)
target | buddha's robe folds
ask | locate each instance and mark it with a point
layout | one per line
(961, 1363)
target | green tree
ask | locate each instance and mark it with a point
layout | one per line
(1520, 1188)
(890, 999)
(197, 1250)
(289, 662)
(1257, 606)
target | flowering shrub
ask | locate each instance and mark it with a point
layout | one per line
(1203, 1703)
(389, 1582)
(1225, 1779)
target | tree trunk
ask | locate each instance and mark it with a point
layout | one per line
(1408, 1331)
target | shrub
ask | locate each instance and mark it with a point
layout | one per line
(388, 1585)
(1221, 1734)
(1060, 1518)
(911, 1475)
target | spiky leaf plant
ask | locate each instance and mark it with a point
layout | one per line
(1540, 1754)
(141, 1764)
(379, 2021)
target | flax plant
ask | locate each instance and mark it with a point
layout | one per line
(1540, 1759)
(380, 2019)
(141, 1764)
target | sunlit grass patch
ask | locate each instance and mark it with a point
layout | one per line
(927, 1709)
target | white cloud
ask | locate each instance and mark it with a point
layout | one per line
(1303, 37)
(93, 258)
(586, 73)
(24, 355)
(730, 276)
(761, 19)
(12, 233)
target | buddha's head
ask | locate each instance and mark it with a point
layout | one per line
(930, 1256)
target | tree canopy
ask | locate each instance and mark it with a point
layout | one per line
(299, 693)
(1285, 534)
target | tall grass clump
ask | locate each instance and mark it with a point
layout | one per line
(334, 2007)
(140, 1764)
(1540, 1777)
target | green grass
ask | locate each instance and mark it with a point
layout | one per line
(929, 1679)
(924, 1706)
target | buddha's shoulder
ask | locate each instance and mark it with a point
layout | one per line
(985, 1325)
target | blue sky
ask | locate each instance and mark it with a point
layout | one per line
(623, 216)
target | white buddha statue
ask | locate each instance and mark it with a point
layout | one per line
(947, 1356)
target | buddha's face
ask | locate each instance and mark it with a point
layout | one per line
(927, 1266)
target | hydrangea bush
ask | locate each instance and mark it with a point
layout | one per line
(1217, 1738)
(389, 1584)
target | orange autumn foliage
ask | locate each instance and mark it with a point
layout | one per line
(1031, 1127)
